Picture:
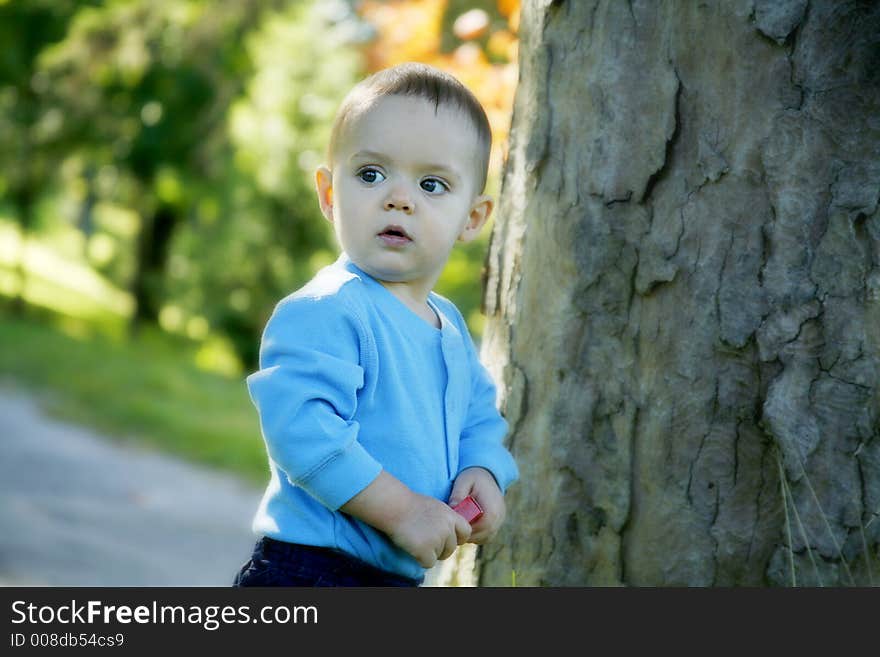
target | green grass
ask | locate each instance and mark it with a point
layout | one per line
(147, 390)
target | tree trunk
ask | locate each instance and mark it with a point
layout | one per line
(154, 243)
(683, 296)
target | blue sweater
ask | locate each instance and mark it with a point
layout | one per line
(352, 381)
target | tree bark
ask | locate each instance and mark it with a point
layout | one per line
(683, 296)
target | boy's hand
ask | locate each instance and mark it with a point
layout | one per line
(429, 530)
(480, 483)
(423, 526)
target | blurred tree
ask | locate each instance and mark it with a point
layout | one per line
(27, 122)
(146, 86)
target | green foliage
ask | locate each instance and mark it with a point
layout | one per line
(27, 121)
(145, 88)
(145, 84)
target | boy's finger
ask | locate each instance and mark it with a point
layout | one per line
(462, 529)
(448, 548)
(460, 490)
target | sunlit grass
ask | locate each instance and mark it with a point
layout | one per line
(55, 282)
(149, 390)
(69, 288)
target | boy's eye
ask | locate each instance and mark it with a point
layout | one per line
(434, 186)
(370, 176)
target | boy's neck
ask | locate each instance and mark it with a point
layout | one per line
(415, 300)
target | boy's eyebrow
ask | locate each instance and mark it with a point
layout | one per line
(375, 155)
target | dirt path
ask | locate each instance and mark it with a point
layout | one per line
(77, 509)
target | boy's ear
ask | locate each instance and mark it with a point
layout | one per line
(324, 187)
(480, 210)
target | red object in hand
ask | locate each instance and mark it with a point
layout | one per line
(469, 508)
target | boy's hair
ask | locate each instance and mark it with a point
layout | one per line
(420, 81)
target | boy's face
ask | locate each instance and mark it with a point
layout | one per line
(401, 192)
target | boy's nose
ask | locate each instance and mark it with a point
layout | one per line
(399, 201)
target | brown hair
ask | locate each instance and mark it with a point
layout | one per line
(420, 81)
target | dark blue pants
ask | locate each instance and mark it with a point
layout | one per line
(275, 563)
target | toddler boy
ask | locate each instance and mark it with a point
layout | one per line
(376, 412)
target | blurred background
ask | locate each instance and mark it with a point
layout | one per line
(156, 201)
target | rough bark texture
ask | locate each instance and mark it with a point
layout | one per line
(684, 295)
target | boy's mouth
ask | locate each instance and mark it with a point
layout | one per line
(394, 235)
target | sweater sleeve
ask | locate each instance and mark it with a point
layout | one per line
(481, 441)
(306, 395)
